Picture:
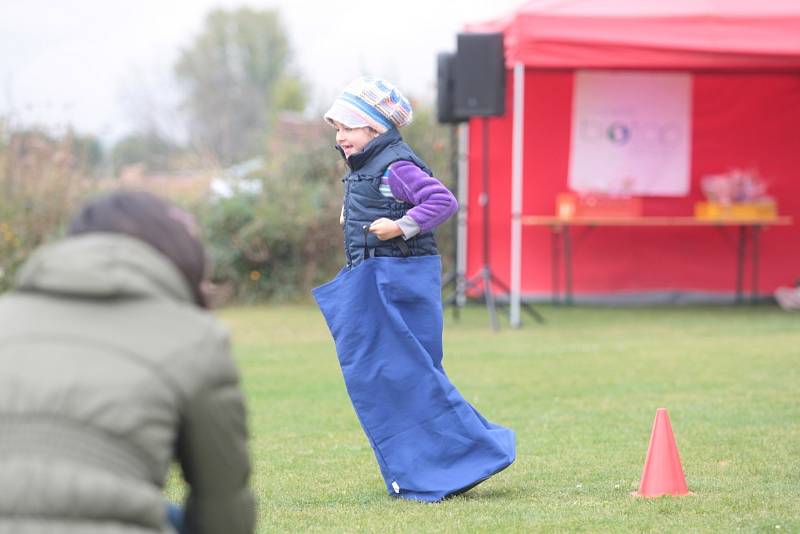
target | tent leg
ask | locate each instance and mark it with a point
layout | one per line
(458, 298)
(454, 277)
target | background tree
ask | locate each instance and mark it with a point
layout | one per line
(88, 151)
(148, 148)
(236, 76)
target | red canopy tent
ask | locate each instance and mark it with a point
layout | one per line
(744, 60)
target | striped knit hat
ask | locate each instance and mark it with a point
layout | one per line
(369, 101)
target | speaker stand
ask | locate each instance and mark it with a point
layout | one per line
(454, 277)
(486, 277)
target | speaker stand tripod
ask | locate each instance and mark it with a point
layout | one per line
(455, 276)
(485, 277)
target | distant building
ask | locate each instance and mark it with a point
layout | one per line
(183, 185)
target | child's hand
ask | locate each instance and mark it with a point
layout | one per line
(384, 229)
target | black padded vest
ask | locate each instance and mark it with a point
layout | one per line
(364, 203)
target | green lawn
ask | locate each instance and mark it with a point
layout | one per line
(581, 392)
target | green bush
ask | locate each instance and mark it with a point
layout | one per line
(41, 183)
(282, 242)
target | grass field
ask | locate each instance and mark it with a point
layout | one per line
(581, 392)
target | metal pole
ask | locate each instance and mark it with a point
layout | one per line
(461, 228)
(484, 201)
(517, 152)
(740, 253)
(754, 252)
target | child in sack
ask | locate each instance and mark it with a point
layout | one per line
(384, 309)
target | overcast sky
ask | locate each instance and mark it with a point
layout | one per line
(98, 64)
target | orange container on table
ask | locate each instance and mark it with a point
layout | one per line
(758, 209)
(570, 205)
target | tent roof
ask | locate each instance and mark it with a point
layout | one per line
(653, 34)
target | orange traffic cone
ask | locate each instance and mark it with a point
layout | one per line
(662, 473)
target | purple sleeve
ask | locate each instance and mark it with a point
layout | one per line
(433, 202)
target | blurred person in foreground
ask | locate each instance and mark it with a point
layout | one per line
(110, 369)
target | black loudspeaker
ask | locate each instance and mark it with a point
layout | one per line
(445, 86)
(479, 75)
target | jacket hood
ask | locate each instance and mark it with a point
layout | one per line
(103, 265)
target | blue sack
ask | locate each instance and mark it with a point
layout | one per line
(385, 316)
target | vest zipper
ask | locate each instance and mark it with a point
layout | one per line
(347, 183)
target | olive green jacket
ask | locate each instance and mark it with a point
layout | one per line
(109, 372)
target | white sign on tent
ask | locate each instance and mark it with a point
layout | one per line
(631, 133)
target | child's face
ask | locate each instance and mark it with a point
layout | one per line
(353, 140)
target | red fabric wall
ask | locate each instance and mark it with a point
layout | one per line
(739, 121)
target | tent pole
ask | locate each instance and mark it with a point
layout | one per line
(461, 232)
(518, 130)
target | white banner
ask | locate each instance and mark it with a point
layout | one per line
(631, 133)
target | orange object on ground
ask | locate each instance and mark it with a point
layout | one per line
(662, 473)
